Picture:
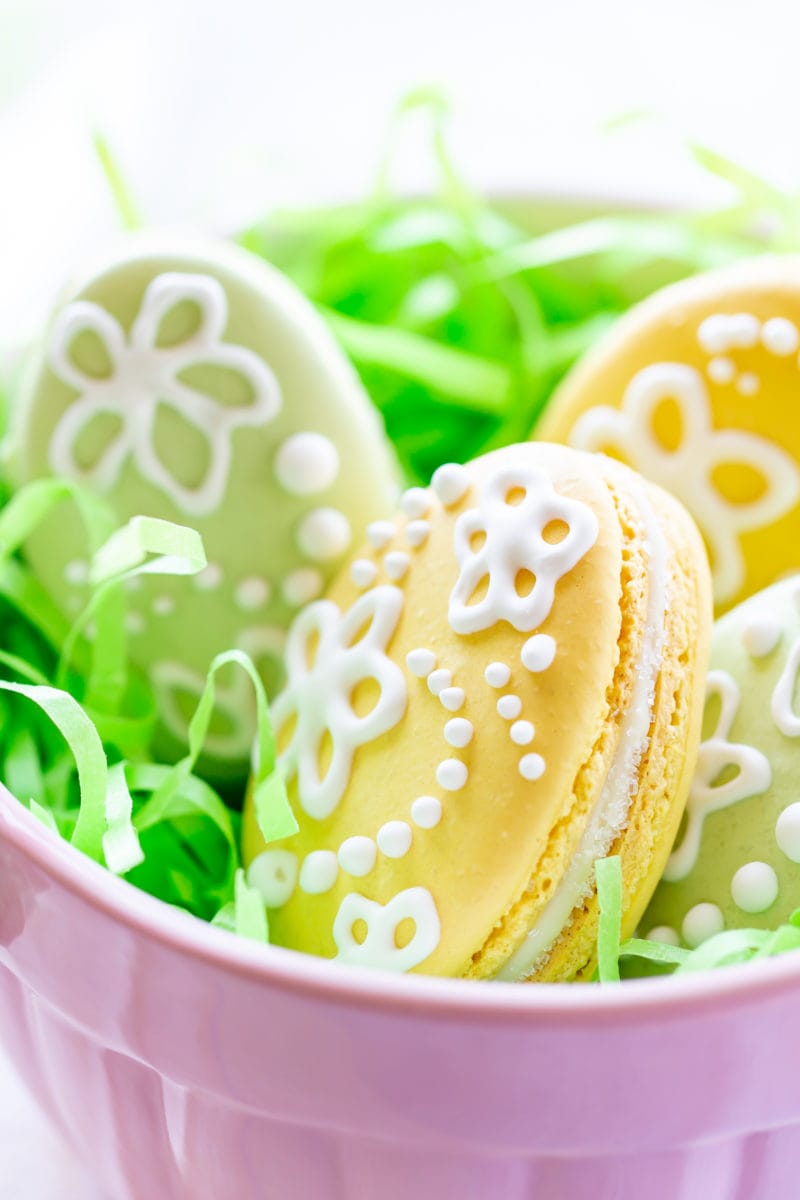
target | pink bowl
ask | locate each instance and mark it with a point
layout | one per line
(185, 1064)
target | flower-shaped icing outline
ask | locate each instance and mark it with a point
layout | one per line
(144, 375)
(687, 470)
(379, 948)
(753, 777)
(318, 696)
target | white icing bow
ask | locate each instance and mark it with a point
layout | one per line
(143, 376)
(687, 470)
(319, 694)
(379, 948)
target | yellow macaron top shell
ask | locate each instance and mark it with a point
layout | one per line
(697, 389)
(441, 702)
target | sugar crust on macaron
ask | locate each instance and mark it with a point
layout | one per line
(186, 379)
(696, 388)
(504, 685)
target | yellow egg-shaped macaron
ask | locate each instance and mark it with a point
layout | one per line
(503, 686)
(697, 388)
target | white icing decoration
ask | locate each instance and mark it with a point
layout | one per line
(135, 583)
(458, 732)
(163, 606)
(76, 572)
(761, 635)
(522, 733)
(783, 712)
(438, 680)
(416, 502)
(209, 578)
(380, 533)
(687, 470)
(452, 698)
(324, 534)
(396, 564)
(723, 331)
(780, 336)
(665, 934)
(274, 874)
(531, 766)
(144, 376)
(379, 948)
(394, 839)
(319, 696)
(700, 923)
(497, 674)
(417, 533)
(134, 622)
(509, 707)
(538, 652)
(306, 463)
(450, 483)
(754, 887)
(357, 855)
(252, 593)
(451, 774)
(748, 383)
(753, 777)
(318, 872)
(787, 832)
(513, 543)
(426, 812)
(363, 572)
(721, 370)
(421, 662)
(301, 586)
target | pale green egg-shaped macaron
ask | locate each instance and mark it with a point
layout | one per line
(188, 380)
(736, 861)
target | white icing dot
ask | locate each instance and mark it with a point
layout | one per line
(417, 532)
(665, 934)
(723, 331)
(787, 832)
(538, 652)
(744, 330)
(700, 923)
(301, 586)
(324, 534)
(458, 732)
(162, 606)
(748, 384)
(135, 583)
(439, 680)
(426, 812)
(209, 578)
(252, 593)
(721, 370)
(497, 674)
(396, 564)
(421, 662)
(452, 698)
(380, 533)
(509, 707)
(450, 483)
(134, 622)
(522, 733)
(451, 774)
(76, 572)
(761, 635)
(318, 872)
(357, 855)
(531, 766)
(394, 839)
(780, 337)
(754, 887)
(306, 463)
(363, 572)
(274, 874)
(415, 502)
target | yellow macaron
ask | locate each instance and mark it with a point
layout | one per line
(505, 685)
(697, 389)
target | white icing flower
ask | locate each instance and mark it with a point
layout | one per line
(351, 648)
(513, 542)
(715, 756)
(687, 470)
(143, 376)
(379, 947)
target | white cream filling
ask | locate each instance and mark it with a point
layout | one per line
(610, 813)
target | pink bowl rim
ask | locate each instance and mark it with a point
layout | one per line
(415, 995)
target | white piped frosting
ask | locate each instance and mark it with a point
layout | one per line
(306, 463)
(451, 483)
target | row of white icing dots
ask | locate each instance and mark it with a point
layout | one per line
(722, 333)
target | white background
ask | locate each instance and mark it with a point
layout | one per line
(219, 109)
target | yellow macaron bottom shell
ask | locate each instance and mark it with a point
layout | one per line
(719, 429)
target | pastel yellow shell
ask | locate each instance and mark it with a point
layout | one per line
(697, 388)
(509, 717)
